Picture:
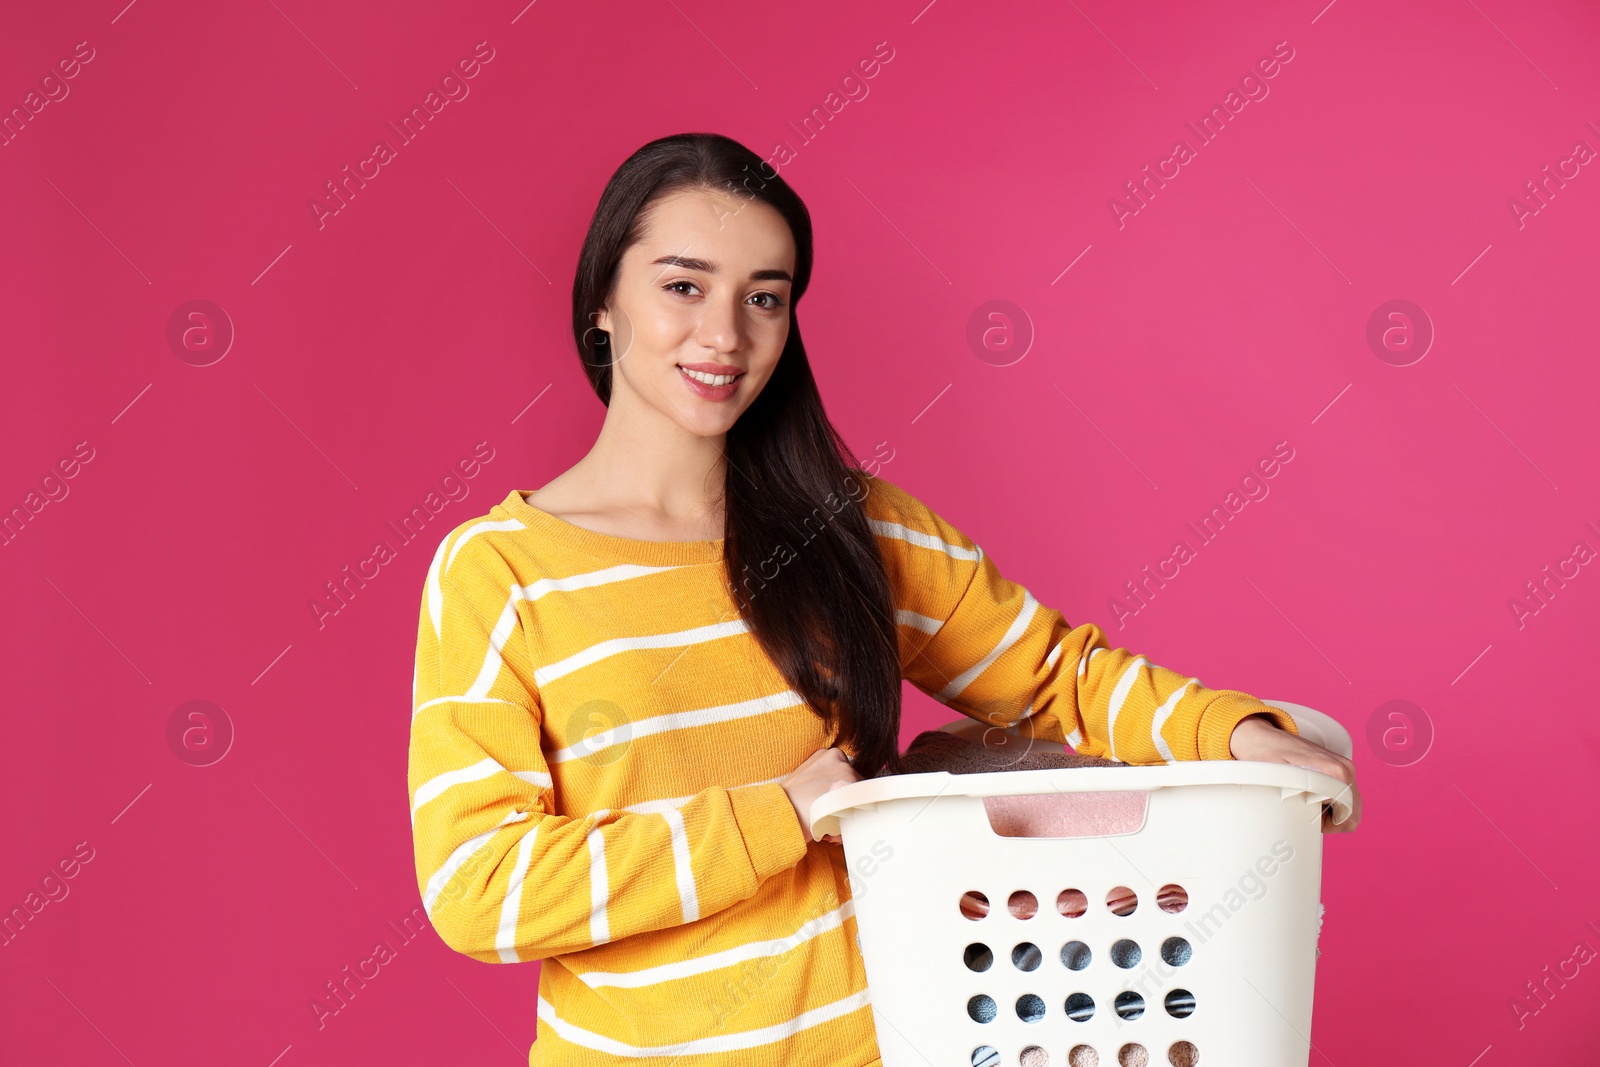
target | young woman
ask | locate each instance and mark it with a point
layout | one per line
(632, 683)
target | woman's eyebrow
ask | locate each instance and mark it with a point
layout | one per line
(706, 266)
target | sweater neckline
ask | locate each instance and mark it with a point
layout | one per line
(610, 546)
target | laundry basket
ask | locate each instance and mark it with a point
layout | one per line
(1177, 926)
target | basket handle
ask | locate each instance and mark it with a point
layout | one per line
(823, 817)
(824, 825)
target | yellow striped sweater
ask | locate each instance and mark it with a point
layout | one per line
(596, 744)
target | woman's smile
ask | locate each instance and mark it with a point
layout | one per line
(713, 381)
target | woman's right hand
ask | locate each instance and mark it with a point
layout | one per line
(824, 770)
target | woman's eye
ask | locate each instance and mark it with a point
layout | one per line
(688, 285)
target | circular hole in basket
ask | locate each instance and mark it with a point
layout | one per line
(1030, 1007)
(1129, 1005)
(1083, 1056)
(1122, 900)
(974, 905)
(1176, 951)
(1076, 955)
(1126, 953)
(1172, 898)
(1026, 957)
(977, 957)
(1133, 1054)
(985, 1056)
(1179, 1004)
(1072, 903)
(1023, 904)
(1080, 1007)
(982, 1008)
(1034, 1056)
(1183, 1054)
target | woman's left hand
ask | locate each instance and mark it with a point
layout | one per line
(1258, 738)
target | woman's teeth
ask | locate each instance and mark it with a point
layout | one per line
(709, 379)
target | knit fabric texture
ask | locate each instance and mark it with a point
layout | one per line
(597, 743)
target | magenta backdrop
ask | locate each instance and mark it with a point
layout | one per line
(1153, 348)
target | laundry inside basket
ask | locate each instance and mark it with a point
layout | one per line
(1029, 815)
(938, 750)
(1066, 814)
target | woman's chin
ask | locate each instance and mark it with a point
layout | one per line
(711, 423)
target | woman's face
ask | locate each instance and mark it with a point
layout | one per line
(706, 289)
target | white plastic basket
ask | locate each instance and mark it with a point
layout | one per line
(1242, 839)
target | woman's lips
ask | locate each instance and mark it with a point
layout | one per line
(710, 392)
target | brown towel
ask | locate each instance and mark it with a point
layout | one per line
(936, 750)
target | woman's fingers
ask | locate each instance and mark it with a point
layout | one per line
(1260, 740)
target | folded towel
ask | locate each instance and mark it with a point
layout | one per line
(1028, 815)
(937, 750)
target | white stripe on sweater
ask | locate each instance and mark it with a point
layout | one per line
(675, 720)
(1163, 713)
(599, 888)
(463, 699)
(484, 768)
(688, 894)
(492, 659)
(667, 972)
(655, 807)
(1013, 634)
(505, 936)
(511, 908)
(743, 1039)
(507, 622)
(462, 853)
(441, 562)
(431, 590)
(917, 622)
(1130, 674)
(481, 527)
(1074, 738)
(923, 540)
(1083, 662)
(602, 649)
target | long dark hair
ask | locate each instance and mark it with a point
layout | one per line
(826, 619)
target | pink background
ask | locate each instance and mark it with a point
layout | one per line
(374, 351)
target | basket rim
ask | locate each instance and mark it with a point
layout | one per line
(1288, 778)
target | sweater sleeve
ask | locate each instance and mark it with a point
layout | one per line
(503, 877)
(983, 645)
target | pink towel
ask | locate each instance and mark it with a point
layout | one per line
(1031, 814)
